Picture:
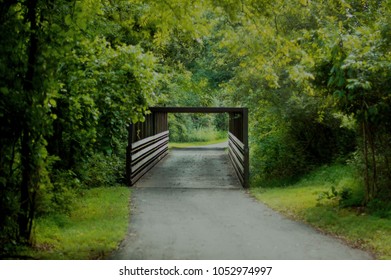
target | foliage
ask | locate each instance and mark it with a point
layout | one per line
(353, 223)
(379, 208)
(315, 76)
(206, 134)
(58, 196)
(93, 228)
(24, 117)
(341, 196)
(360, 83)
(100, 170)
(294, 126)
(196, 128)
(67, 93)
(302, 65)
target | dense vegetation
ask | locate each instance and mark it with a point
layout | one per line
(320, 198)
(315, 75)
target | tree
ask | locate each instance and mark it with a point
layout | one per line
(64, 88)
(360, 82)
(24, 94)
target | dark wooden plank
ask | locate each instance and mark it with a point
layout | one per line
(239, 153)
(236, 161)
(141, 142)
(137, 176)
(238, 173)
(236, 140)
(148, 158)
(239, 156)
(196, 109)
(149, 148)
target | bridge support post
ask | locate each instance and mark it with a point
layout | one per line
(246, 183)
(129, 156)
(238, 144)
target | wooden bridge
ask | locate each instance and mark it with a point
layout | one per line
(148, 141)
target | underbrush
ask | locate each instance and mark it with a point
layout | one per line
(202, 134)
(331, 199)
(95, 225)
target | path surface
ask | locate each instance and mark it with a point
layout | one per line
(191, 206)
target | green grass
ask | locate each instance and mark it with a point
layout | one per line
(198, 135)
(301, 202)
(191, 144)
(97, 223)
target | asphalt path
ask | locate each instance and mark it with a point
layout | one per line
(191, 206)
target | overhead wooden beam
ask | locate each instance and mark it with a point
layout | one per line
(197, 109)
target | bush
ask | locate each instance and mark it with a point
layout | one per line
(379, 208)
(341, 197)
(345, 187)
(291, 136)
(58, 196)
(274, 156)
(101, 170)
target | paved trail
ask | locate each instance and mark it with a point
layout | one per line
(191, 206)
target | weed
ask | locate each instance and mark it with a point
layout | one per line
(340, 196)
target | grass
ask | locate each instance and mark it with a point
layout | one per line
(303, 201)
(97, 223)
(200, 136)
(197, 143)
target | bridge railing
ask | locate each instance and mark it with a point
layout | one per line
(147, 145)
(236, 153)
(146, 153)
(238, 150)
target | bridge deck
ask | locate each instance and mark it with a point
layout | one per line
(194, 167)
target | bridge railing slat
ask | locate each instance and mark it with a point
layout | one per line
(147, 140)
(144, 154)
(236, 167)
(236, 153)
(141, 153)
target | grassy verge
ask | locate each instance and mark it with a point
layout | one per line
(191, 144)
(97, 223)
(310, 200)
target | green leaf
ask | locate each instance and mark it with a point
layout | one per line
(68, 20)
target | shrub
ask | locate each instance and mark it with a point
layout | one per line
(58, 196)
(379, 208)
(103, 170)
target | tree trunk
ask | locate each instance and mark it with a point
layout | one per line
(27, 188)
(372, 146)
(366, 173)
(25, 202)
